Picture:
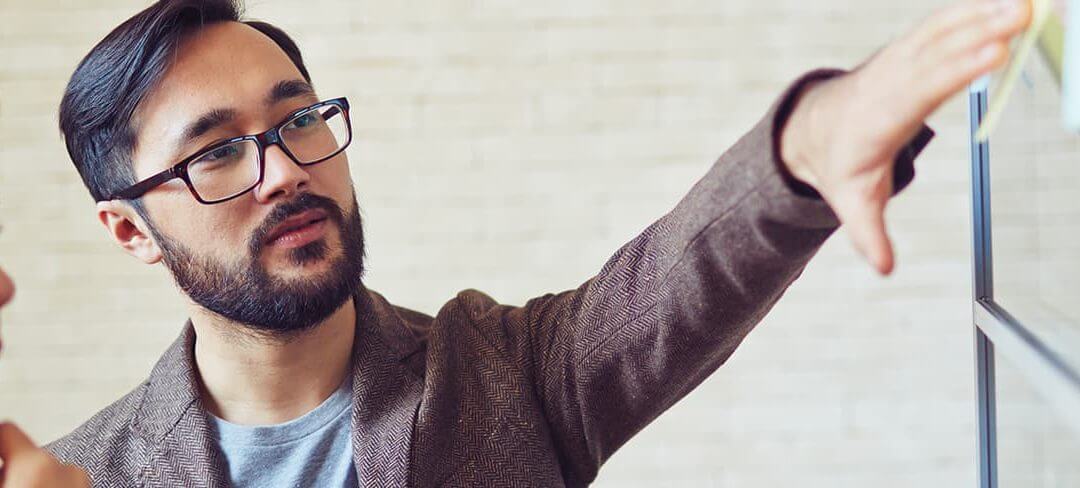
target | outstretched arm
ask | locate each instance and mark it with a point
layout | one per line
(673, 304)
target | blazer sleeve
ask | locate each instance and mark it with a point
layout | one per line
(673, 304)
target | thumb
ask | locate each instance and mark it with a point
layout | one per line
(13, 441)
(864, 217)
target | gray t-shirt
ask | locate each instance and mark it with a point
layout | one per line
(313, 450)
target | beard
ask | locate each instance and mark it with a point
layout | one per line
(246, 293)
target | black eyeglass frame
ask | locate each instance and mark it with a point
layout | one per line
(271, 137)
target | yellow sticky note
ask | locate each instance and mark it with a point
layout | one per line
(1040, 11)
(1052, 44)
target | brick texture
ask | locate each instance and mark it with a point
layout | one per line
(592, 118)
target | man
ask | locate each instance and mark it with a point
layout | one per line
(206, 148)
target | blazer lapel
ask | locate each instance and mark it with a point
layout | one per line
(180, 447)
(386, 393)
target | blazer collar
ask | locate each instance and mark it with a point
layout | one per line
(181, 447)
(387, 386)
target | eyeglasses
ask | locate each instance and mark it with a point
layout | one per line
(230, 168)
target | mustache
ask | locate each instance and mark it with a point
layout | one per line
(280, 213)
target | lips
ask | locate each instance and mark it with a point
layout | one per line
(295, 223)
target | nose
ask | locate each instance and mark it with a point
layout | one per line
(282, 177)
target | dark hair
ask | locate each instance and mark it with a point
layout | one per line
(111, 81)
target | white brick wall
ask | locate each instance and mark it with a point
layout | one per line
(512, 146)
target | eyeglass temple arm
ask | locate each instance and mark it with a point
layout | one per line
(138, 189)
(336, 109)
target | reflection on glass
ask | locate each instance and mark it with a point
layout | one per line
(1035, 209)
(1036, 449)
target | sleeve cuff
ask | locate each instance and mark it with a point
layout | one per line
(903, 168)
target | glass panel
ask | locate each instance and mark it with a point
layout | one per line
(1036, 449)
(1035, 192)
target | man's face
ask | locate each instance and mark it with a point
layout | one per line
(286, 254)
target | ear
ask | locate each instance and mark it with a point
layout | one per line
(129, 230)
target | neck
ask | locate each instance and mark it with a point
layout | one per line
(255, 379)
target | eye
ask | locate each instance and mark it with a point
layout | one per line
(222, 156)
(303, 121)
(221, 153)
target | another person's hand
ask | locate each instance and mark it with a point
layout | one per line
(27, 466)
(7, 290)
(845, 133)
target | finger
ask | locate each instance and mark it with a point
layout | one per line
(75, 476)
(865, 222)
(968, 53)
(949, 78)
(1005, 20)
(13, 441)
(944, 21)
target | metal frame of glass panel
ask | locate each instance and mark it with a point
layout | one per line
(997, 331)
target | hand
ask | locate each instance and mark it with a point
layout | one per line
(28, 466)
(844, 134)
(7, 289)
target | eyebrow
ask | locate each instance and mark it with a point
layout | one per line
(287, 89)
(282, 90)
(206, 122)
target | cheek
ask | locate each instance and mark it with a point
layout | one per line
(226, 235)
(221, 230)
(333, 179)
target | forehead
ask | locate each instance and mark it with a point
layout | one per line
(222, 65)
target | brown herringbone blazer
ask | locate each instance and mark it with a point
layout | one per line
(484, 394)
